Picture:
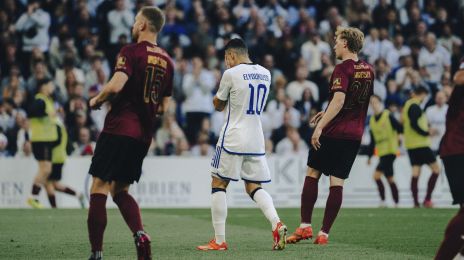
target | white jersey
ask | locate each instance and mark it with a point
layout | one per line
(245, 87)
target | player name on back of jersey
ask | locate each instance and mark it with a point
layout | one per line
(362, 74)
(255, 76)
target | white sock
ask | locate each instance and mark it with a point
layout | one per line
(323, 233)
(304, 225)
(219, 215)
(265, 203)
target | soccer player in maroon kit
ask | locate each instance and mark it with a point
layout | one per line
(452, 154)
(337, 136)
(139, 91)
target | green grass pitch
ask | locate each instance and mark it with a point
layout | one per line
(357, 234)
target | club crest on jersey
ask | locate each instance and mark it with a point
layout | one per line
(121, 62)
(337, 83)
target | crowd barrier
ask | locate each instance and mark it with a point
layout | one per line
(182, 182)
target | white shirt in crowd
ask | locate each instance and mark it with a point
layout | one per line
(245, 87)
(295, 90)
(436, 117)
(434, 62)
(41, 21)
(312, 53)
(375, 49)
(120, 23)
(393, 55)
(198, 92)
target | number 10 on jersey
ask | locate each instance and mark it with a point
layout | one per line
(259, 98)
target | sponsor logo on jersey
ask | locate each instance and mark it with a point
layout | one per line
(361, 67)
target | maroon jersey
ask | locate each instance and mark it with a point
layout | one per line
(150, 72)
(453, 140)
(356, 80)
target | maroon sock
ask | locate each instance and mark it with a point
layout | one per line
(96, 221)
(308, 198)
(394, 190)
(431, 185)
(36, 189)
(453, 242)
(52, 200)
(334, 202)
(129, 210)
(381, 189)
(67, 190)
(414, 190)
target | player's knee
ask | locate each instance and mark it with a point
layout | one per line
(334, 181)
(390, 179)
(313, 173)
(99, 186)
(117, 188)
(377, 175)
(253, 192)
(219, 183)
(435, 168)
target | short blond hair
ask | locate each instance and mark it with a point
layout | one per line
(353, 36)
(155, 18)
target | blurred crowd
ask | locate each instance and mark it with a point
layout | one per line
(411, 43)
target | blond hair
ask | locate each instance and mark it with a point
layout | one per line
(155, 18)
(353, 36)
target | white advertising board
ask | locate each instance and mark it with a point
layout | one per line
(177, 182)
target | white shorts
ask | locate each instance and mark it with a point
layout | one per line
(231, 167)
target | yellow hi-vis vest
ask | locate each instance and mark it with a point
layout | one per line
(43, 129)
(59, 154)
(413, 139)
(385, 136)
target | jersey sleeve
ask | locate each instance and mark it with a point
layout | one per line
(340, 80)
(224, 86)
(169, 79)
(124, 61)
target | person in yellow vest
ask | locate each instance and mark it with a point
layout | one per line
(417, 142)
(59, 156)
(43, 136)
(384, 129)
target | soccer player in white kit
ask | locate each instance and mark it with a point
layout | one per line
(240, 149)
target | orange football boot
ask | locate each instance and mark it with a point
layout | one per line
(212, 245)
(322, 239)
(428, 204)
(280, 235)
(300, 234)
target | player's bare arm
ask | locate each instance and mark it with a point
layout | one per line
(334, 107)
(317, 118)
(459, 78)
(113, 87)
(164, 106)
(219, 105)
